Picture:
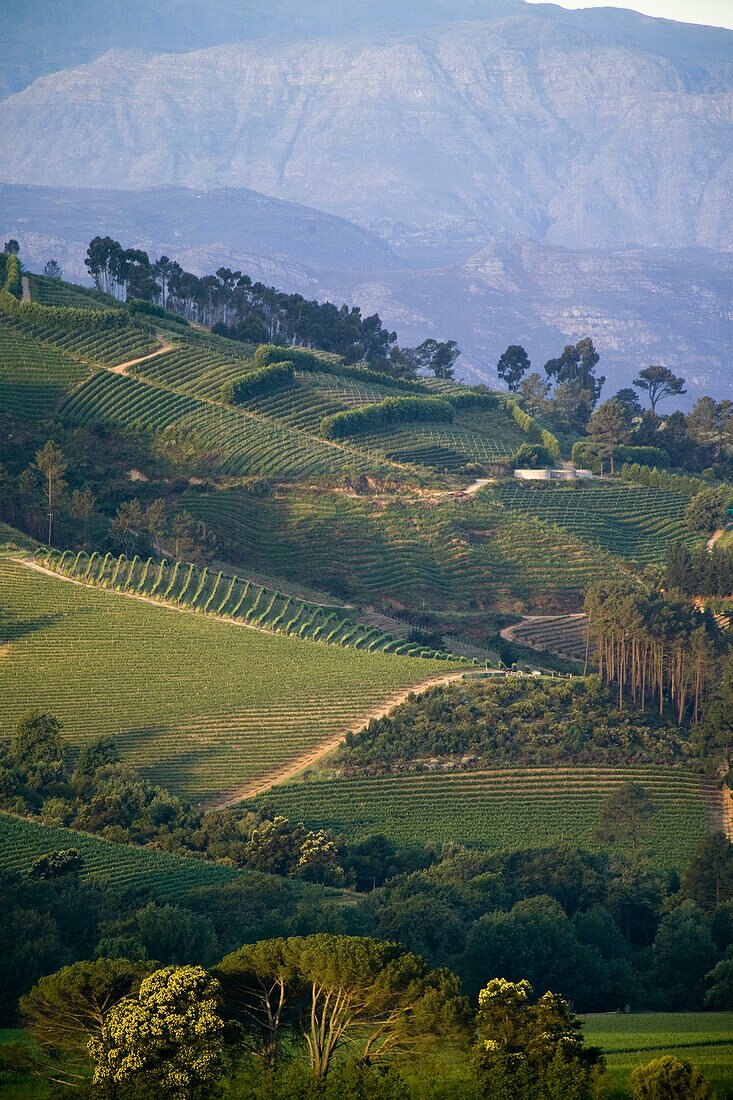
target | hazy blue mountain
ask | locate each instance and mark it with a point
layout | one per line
(280, 242)
(640, 306)
(537, 124)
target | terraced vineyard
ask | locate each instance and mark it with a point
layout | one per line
(246, 444)
(227, 597)
(55, 292)
(33, 377)
(633, 522)
(172, 877)
(503, 810)
(468, 552)
(102, 347)
(197, 704)
(562, 635)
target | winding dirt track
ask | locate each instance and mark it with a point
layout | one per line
(312, 757)
(121, 368)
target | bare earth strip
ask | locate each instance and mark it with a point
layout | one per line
(314, 756)
(121, 368)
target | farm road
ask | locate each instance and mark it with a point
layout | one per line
(312, 757)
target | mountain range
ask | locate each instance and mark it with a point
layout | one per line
(498, 164)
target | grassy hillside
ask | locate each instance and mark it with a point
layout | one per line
(501, 810)
(197, 704)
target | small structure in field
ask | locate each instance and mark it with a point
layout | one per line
(553, 475)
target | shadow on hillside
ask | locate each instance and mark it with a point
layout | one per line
(180, 770)
(14, 630)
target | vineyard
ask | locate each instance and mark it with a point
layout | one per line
(632, 522)
(562, 635)
(456, 552)
(130, 868)
(104, 347)
(55, 292)
(245, 444)
(197, 704)
(502, 810)
(33, 376)
(227, 597)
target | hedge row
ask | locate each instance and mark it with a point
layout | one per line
(304, 360)
(590, 455)
(64, 317)
(13, 277)
(393, 410)
(531, 428)
(254, 382)
(470, 399)
(662, 479)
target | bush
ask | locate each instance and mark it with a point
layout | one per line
(304, 360)
(393, 410)
(532, 456)
(669, 1078)
(644, 456)
(265, 379)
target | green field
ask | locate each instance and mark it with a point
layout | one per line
(34, 377)
(630, 521)
(125, 866)
(466, 553)
(502, 810)
(705, 1038)
(229, 597)
(198, 704)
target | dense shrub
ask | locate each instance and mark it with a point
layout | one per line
(304, 360)
(470, 399)
(531, 428)
(262, 380)
(393, 410)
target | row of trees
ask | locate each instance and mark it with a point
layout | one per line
(235, 306)
(700, 573)
(653, 645)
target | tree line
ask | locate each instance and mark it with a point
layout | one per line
(232, 305)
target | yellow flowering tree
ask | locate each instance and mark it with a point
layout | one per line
(168, 1040)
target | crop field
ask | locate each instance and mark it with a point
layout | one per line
(444, 447)
(102, 347)
(55, 292)
(33, 377)
(172, 877)
(471, 552)
(633, 1039)
(246, 444)
(228, 597)
(562, 635)
(507, 809)
(633, 522)
(199, 705)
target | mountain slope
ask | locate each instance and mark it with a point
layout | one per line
(527, 124)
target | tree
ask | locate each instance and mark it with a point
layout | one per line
(710, 425)
(630, 404)
(37, 742)
(63, 1011)
(56, 864)
(531, 1050)
(98, 754)
(103, 261)
(532, 456)
(576, 367)
(12, 247)
(720, 985)
(154, 519)
(169, 1039)
(128, 522)
(261, 984)
(52, 270)
(659, 383)
(52, 465)
(534, 393)
(626, 815)
(683, 954)
(82, 505)
(513, 365)
(163, 269)
(608, 427)
(669, 1078)
(434, 356)
(707, 510)
(708, 877)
